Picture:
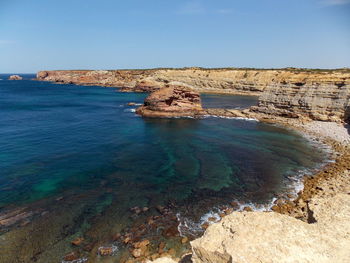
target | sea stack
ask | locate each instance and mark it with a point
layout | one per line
(15, 77)
(171, 101)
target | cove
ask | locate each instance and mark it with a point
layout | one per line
(78, 158)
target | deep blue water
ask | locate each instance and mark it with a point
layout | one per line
(58, 140)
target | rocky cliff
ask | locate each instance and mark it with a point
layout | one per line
(171, 101)
(326, 100)
(317, 94)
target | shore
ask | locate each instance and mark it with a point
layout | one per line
(332, 180)
(324, 198)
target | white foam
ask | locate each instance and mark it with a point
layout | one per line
(79, 260)
(231, 118)
(130, 110)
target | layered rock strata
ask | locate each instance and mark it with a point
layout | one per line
(318, 101)
(171, 101)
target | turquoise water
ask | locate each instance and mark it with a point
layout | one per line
(86, 147)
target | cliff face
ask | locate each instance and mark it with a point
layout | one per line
(319, 95)
(326, 99)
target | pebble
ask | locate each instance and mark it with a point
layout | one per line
(71, 257)
(105, 251)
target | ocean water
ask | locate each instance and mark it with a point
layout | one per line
(77, 158)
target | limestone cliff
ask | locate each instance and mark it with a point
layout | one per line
(317, 94)
(326, 100)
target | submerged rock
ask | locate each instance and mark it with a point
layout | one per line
(171, 101)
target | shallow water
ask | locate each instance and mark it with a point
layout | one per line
(78, 158)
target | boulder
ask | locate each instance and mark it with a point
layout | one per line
(15, 77)
(171, 101)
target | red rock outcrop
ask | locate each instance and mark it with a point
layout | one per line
(171, 101)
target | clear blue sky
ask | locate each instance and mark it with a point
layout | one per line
(112, 34)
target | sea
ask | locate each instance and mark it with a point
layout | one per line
(77, 162)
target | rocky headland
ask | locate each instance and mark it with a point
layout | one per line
(311, 227)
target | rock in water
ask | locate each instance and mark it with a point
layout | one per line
(171, 101)
(15, 77)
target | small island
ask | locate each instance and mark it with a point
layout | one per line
(15, 77)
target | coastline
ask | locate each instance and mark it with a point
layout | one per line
(333, 179)
(298, 207)
(312, 185)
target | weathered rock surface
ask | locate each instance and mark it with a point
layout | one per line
(163, 260)
(271, 237)
(15, 77)
(316, 94)
(171, 101)
(324, 101)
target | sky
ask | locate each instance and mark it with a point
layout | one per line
(111, 34)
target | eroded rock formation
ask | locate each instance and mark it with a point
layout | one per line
(171, 101)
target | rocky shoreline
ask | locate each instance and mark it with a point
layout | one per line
(331, 182)
(316, 94)
(325, 198)
(296, 99)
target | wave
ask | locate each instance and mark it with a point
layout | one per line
(231, 118)
(188, 227)
(130, 110)
(79, 260)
